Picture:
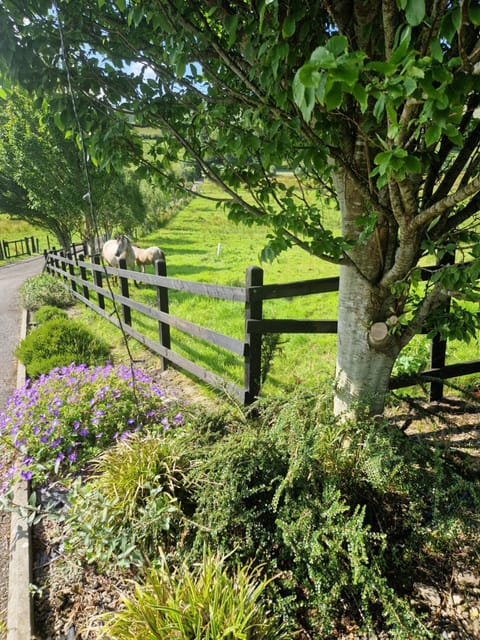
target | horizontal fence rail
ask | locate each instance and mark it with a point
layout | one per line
(86, 279)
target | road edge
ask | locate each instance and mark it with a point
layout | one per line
(19, 605)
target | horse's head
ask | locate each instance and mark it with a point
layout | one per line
(122, 243)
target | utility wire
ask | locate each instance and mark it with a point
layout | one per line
(89, 194)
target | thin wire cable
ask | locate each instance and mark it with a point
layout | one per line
(89, 194)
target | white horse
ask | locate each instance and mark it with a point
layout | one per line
(146, 256)
(117, 249)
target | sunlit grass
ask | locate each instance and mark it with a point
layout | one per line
(201, 244)
(11, 229)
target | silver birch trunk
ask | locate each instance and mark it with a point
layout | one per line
(362, 371)
(363, 365)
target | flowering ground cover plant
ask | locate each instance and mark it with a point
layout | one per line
(53, 426)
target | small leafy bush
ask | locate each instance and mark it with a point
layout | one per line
(130, 505)
(48, 312)
(60, 342)
(212, 601)
(55, 426)
(343, 511)
(413, 358)
(45, 289)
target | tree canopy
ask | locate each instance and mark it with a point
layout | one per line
(42, 177)
(373, 105)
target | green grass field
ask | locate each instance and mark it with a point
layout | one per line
(202, 245)
(18, 229)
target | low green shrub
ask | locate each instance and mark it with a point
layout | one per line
(48, 312)
(346, 514)
(214, 600)
(45, 289)
(58, 343)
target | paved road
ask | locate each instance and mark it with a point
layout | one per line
(12, 277)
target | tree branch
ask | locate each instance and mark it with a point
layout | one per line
(425, 217)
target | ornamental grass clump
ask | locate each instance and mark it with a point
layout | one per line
(211, 601)
(54, 426)
(132, 503)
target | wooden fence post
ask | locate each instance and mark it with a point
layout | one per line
(98, 279)
(162, 303)
(438, 347)
(127, 313)
(71, 270)
(253, 341)
(63, 264)
(83, 275)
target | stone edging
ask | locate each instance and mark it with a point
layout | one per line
(19, 608)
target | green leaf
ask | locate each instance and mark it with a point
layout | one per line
(432, 135)
(324, 58)
(453, 134)
(415, 12)
(298, 88)
(333, 96)
(379, 108)
(309, 75)
(474, 15)
(288, 27)
(436, 50)
(337, 45)
(402, 47)
(410, 86)
(231, 25)
(413, 164)
(361, 96)
(384, 68)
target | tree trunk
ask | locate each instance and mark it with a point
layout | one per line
(363, 371)
(364, 357)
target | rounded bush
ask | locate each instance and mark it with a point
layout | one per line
(58, 343)
(48, 312)
(45, 289)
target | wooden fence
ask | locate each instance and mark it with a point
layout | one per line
(22, 247)
(86, 281)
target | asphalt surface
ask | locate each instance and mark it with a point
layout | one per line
(12, 276)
